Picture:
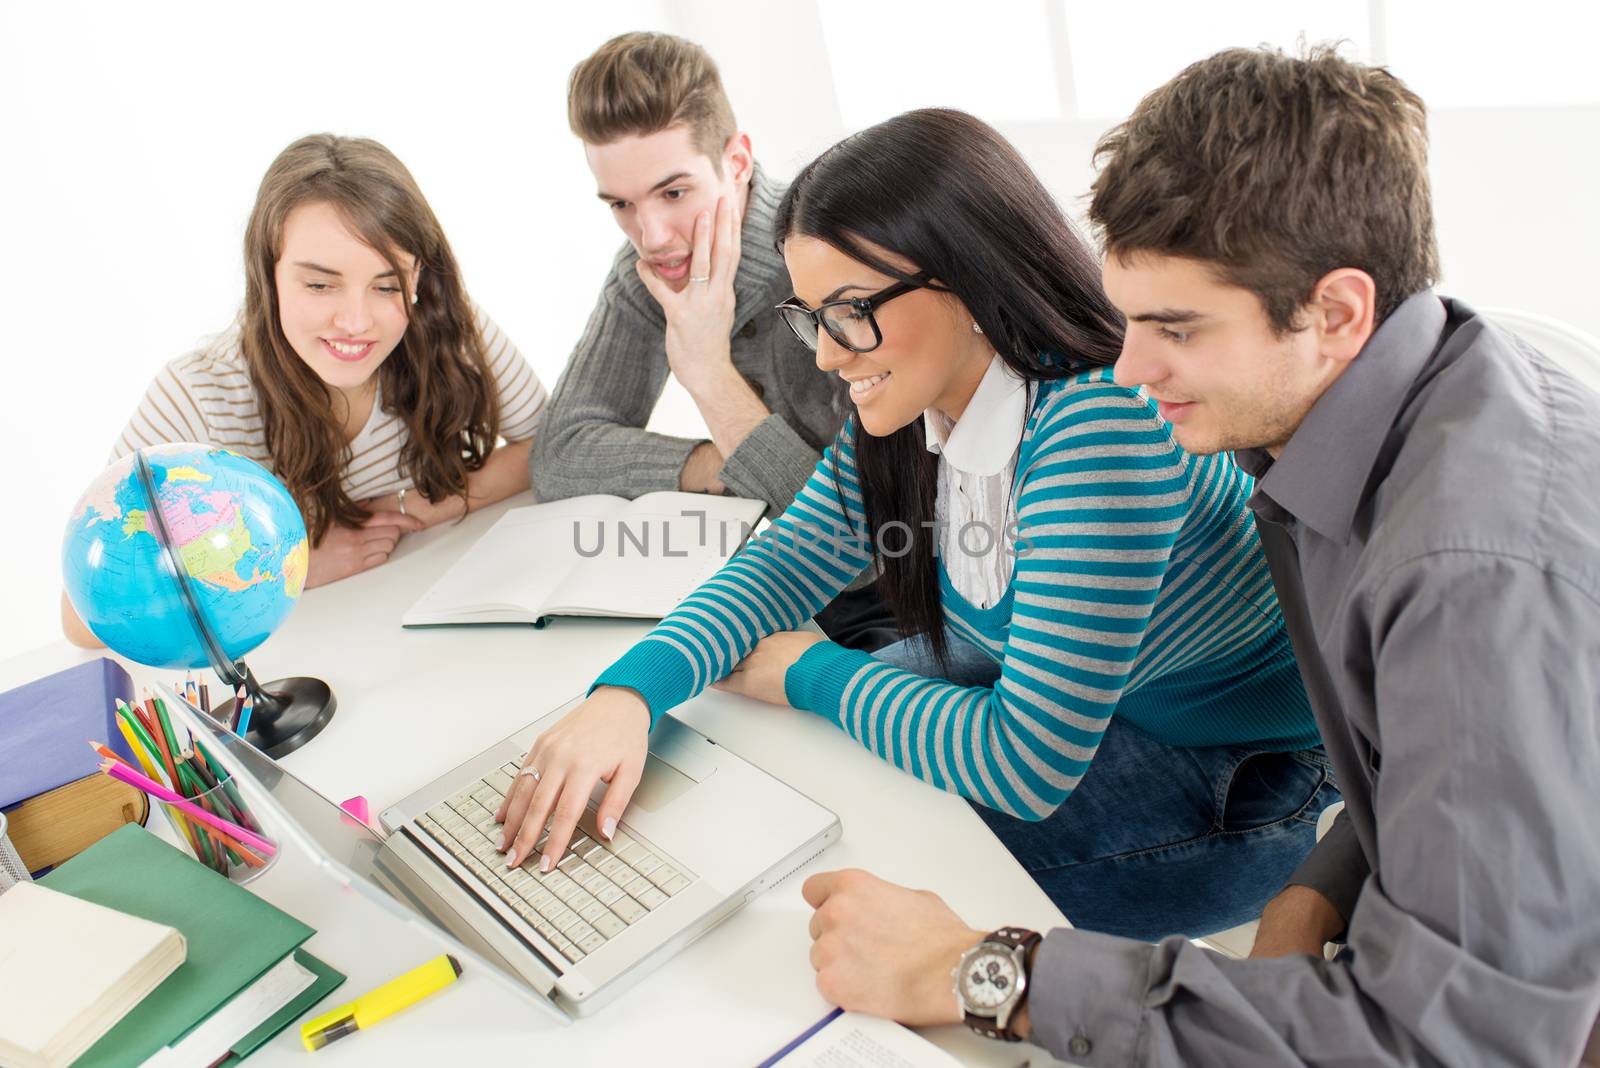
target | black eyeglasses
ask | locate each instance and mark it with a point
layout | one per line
(849, 322)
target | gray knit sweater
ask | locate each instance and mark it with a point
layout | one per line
(594, 439)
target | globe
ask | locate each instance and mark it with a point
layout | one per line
(234, 530)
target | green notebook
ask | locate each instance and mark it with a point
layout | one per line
(233, 938)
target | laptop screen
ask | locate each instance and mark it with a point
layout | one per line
(336, 834)
(352, 852)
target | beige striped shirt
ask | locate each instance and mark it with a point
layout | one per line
(206, 396)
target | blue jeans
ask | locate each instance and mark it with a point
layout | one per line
(1157, 839)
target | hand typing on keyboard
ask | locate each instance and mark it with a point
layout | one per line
(601, 886)
(606, 739)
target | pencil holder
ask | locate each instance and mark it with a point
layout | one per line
(241, 849)
(12, 870)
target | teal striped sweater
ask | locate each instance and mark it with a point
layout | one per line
(1139, 590)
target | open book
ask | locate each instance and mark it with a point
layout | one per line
(855, 1040)
(589, 556)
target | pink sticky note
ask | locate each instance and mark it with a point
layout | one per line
(357, 807)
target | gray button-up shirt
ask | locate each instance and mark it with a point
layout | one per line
(594, 439)
(1434, 532)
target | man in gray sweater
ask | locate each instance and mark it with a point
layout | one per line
(1428, 498)
(690, 295)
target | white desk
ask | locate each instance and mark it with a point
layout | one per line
(414, 703)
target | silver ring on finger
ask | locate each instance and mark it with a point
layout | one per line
(702, 279)
(530, 771)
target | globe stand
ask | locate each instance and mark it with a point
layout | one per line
(285, 713)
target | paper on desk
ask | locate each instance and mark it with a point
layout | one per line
(855, 1040)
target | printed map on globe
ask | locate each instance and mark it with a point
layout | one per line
(236, 532)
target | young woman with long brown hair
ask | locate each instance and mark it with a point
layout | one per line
(358, 370)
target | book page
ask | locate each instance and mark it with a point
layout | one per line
(510, 571)
(652, 554)
(242, 1014)
(855, 1040)
(84, 967)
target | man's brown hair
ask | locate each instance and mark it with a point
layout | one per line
(1275, 170)
(638, 84)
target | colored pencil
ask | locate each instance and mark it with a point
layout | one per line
(166, 727)
(162, 759)
(166, 757)
(155, 789)
(147, 712)
(109, 753)
(144, 762)
(220, 843)
(214, 789)
(139, 752)
(206, 793)
(193, 786)
(189, 785)
(204, 758)
(186, 805)
(147, 741)
(202, 765)
(201, 795)
(144, 718)
(244, 716)
(134, 744)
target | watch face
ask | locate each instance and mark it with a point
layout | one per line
(988, 979)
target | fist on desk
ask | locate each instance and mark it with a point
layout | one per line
(761, 674)
(884, 949)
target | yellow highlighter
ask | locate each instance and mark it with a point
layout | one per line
(374, 1005)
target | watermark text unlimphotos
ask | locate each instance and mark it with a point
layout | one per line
(655, 536)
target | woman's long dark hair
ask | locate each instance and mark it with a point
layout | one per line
(947, 192)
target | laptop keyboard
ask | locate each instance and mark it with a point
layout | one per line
(591, 896)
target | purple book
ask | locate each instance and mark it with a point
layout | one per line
(46, 725)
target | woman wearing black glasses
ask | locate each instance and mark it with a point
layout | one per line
(1096, 656)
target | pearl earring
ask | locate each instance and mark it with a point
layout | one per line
(976, 329)
(413, 297)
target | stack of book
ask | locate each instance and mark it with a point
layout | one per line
(74, 969)
(54, 802)
(132, 953)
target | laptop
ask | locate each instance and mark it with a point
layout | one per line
(705, 832)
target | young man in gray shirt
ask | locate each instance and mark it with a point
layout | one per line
(691, 295)
(1429, 501)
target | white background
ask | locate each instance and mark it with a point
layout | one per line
(134, 136)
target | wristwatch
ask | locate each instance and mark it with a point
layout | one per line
(992, 981)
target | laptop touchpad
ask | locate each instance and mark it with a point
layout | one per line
(675, 763)
(662, 784)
